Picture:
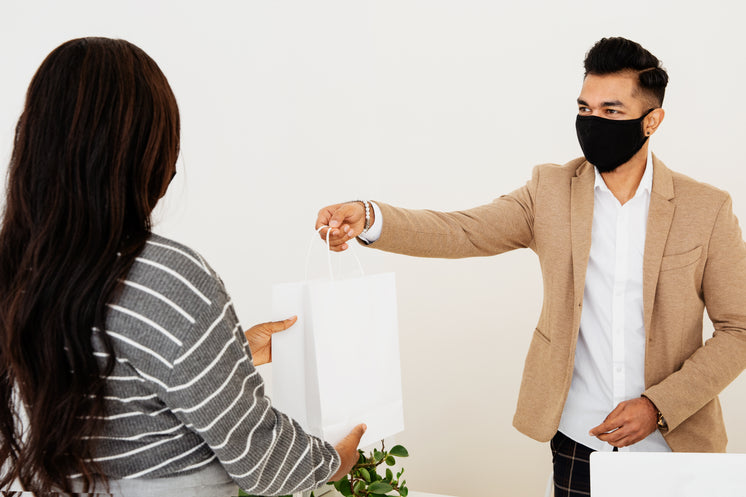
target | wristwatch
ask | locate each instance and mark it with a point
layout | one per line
(662, 425)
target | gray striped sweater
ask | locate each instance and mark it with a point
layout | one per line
(184, 391)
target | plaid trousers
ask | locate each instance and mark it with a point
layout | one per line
(572, 471)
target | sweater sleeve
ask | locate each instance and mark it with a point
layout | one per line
(215, 390)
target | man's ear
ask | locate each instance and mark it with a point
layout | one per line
(653, 120)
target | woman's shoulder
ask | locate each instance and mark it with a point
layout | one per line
(173, 253)
(169, 269)
(167, 300)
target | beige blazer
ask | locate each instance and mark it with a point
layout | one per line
(695, 258)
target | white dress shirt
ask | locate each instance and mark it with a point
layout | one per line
(610, 353)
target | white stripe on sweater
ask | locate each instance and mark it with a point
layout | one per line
(197, 465)
(292, 470)
(295, 466)
(284, 459)
(229, 408)
(204, 336)
(128, 415)
(123, 378)
(139, 346)
(217, 392)
(160, 297)
(169, 247)
(175, 275)
(165, 463)
(147, 321)
(265, 459)
(136, 437)
(137, 450)
(206, 370)
(131, 399)
(251, 433)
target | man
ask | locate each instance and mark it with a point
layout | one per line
(631, 254)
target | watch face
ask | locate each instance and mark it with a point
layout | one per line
(662, 421)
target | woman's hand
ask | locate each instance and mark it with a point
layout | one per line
(347, 450)
(260, 339)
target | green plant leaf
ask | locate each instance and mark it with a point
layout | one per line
(345, 488)
(359, 487)
(389, 476)
(403, 491)
(379, 487)
(390, 460)
(399, 451)
(377, 455)
(365, 474)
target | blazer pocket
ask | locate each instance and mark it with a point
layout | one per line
(541, 336)
(677, 261)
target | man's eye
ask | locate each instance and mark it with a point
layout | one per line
(583, 110)
(612, 111)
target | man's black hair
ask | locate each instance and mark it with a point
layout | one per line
(610, 55)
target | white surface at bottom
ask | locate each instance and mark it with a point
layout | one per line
(423, 494)
(659, 474)
(334, 493)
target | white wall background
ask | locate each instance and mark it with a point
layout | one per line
(291, 105)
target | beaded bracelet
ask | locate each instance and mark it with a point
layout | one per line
(366, 204)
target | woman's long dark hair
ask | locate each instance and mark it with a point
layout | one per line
(95, 148)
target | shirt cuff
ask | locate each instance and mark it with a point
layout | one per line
(374, 232)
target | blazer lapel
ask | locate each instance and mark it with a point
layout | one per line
(581, 221)
(660, 216)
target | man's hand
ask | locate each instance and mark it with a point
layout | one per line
(260, 339)
(630, 422)
(347, 450)
(346, 221)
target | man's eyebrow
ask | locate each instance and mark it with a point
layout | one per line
(610, 103)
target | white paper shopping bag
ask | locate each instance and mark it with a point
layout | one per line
(339, 365)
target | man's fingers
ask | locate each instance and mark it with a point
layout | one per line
(341, 219)
(612, 422)
(613, 437)
(325, 215)
(609, 424)
(343, 213)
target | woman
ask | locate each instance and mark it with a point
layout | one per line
(123, 346)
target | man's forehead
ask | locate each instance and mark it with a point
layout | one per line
(615, 90)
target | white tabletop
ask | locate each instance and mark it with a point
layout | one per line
(334, 493)
(665, 474)
(423, 494)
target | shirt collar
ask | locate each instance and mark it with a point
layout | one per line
(646, 183)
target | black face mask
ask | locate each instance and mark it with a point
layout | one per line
(608, 143)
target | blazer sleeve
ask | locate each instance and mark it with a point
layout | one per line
(723, 357)
(504, 224)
